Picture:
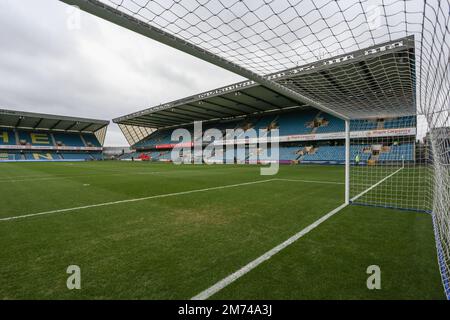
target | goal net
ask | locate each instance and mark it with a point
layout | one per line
(403, 83)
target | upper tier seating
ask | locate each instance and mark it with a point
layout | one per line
(35, 138)
(68, 140)
(297, 122)
(45, 138)
(329, 124)
(402, 122)
(91, 140)
(7, 137)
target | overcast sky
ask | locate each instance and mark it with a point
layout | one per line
(96, 71)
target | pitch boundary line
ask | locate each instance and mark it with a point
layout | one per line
(218, 286)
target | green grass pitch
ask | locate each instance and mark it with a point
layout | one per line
(176, 246)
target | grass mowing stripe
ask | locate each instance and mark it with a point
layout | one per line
(133, 200)
(107, 173)
(80, 175)
(266, 256)
(158, 196)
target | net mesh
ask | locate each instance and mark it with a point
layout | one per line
(411, 80)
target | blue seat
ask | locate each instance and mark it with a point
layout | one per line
(69, 139)
(7, 137)
(91, 140)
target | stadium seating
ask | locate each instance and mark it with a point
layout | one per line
(335, 153)
(398, 153)
(289, 153)
(91, 140)
(402, 122)
(330, 124)
(298, 122)
(361, 125)
(301, 122)
(76, 156)
(68, 140)
(96, 155)
(44, 138)
(35, 138)
(7, 137)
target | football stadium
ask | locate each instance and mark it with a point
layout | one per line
(321, 176)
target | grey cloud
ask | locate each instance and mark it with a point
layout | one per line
(100, 71)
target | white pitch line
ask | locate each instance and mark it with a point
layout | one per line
(78, 176)
(154, 197)
(310, 181)
(266, 256)
(132, 200)
(375, 185)
(105, 173)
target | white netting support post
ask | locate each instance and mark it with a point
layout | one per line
(347, 162)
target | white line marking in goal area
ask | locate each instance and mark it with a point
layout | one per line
(134, 200)
(266, 256)
(375, 185)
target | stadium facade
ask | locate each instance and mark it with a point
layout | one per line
(26, 136)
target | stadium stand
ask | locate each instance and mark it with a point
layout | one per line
(301, 122)
(334, 153)
(91, 140)
(76, 156)
(7, 137)
(68, 140)
(293, 123)
(26, 136)
(35, 138)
